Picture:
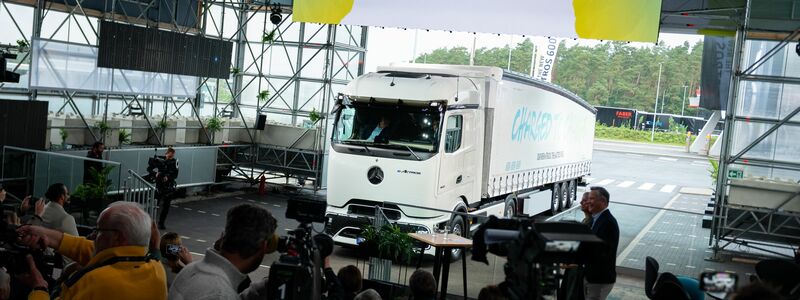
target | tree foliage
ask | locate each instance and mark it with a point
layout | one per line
(609, 74)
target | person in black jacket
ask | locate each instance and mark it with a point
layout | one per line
(601, 275)
(165, 185)
(96, 153)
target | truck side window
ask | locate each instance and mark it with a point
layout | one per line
(453, 134)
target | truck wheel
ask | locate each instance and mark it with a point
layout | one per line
(572, 193)
(458, 227)
(511, 207)
(555, 203)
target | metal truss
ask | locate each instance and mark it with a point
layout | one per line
(300, 45)
(759, 228)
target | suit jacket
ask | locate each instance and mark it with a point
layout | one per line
(603, 270)
(56, 218)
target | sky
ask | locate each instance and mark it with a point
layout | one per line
(387, 45)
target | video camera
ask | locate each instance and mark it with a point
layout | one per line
(534, 252)
(13, 256)
(297, 274)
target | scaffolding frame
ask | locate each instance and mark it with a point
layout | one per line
(343, 60)
(739, 229)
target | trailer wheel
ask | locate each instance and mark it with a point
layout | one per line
(511, 207)
(555, 203)
(458, 228)
(572, 193)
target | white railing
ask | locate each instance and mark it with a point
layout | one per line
(142, 192)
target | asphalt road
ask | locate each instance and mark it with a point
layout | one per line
(638, 174)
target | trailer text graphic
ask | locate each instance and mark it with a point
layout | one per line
(531, 125)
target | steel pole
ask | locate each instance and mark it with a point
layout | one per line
(655, 109)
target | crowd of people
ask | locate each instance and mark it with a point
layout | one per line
(126, 257)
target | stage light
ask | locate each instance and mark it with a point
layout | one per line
(275, 17)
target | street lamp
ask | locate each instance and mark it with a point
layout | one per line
(655, 109)
(683, 104)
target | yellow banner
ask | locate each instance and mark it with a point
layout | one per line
(624, 20)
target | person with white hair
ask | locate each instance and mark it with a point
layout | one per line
(116, 262)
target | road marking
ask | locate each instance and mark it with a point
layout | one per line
(674, 247)
(202, 241)
(633, 259)
(665, 222)
(643, 244)
(705, 162)
(679, 224)
(198, 254)
(662, 232)
(692, 236)
(251, 201)
(239, 198)
(200, 211)
(709, 269)
(185, 237)
(625, 184)
(677, 234)
(690, 267)
(276, 205)
(668, 158)
(647, 186)
(604, 182)
(667, 188)
(624, 254)
(671, 264)
(216, 215)
(657, 245)
(186, 208)
(174, 205)
(691, 249)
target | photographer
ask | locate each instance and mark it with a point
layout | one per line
(174, 256)
(222, 274)
(116, 266)
(165, 185)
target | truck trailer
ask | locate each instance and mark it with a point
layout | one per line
(421, 141)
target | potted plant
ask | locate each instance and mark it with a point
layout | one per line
(166, 135)
(213, 125)
(23, 45)
(64, 135)
(263, 96)
(124, 137)
(385, 245)
(92, 195)
(314, 116)
(268, 37)
(713, 171)
(105, 132)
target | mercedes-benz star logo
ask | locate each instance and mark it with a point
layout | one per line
(375, 175)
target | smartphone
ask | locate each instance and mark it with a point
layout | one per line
(718, 282)
(173, 249)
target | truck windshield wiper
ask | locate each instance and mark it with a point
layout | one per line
(358, 144)
(412, 152)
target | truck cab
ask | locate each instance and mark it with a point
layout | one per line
(406, 137)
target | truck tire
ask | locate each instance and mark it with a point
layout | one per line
(510, 209)
(572, 193)
(457, 225)
(555, 203)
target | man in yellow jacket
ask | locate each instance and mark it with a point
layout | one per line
(115, 264)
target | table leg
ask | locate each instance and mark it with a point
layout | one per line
(445, 271)
(464, 269)
(437, 263)
(421, 256)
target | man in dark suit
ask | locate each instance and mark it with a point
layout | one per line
(96, 153)
(601, 274)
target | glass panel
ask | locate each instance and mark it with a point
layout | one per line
(282, 60)
(310, 96)
(314, 60)
(24, 17)
(453, 134)
(760, 99)
(255, 27)
(315, 33)
(389, 126)
(787, 147)
(745, 133)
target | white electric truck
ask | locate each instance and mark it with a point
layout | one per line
(454, 139)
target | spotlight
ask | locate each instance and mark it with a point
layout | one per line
(275, 17)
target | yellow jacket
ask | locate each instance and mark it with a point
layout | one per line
(120, 281)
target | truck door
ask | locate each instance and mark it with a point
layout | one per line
(453, 175)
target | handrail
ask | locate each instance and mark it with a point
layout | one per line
(111, 162)
(135, 175)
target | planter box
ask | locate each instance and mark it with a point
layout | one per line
(286, 136)
(111, 138)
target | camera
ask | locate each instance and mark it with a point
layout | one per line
(534, 252)
(173, 249)
(297, 274)
(13, 256)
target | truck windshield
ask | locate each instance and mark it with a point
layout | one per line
(407, 128)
